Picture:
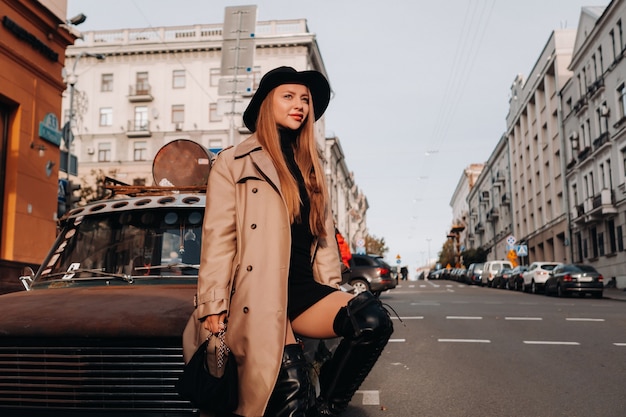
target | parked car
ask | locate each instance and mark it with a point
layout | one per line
(516, 279)
(370, 273)
(501, 279)
(490, 269)
(536, 276)
(581, 279)
(473, 273)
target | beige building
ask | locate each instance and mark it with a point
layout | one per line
(489, 202)
(156, 85)
(460, 210)
(538, 200)
(594, 125)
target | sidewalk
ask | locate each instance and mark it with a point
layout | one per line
(615, 293)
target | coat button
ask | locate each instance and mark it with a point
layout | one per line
(249, 268)
(245, 310)
(253, 226)
(255, 190)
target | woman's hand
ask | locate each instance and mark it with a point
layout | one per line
(215, 322)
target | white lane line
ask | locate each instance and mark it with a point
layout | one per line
(524, 318)
(582, 319)
(397, 340)
(464, 318)
(449, 290)
(370, 397)
(409, 318)
(549, 342)
(464, 340)
(412, 286)
(620, 344)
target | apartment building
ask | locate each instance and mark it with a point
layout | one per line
(489, 202)
(538, 199)
(594, 151)
(460, 210)
(156, 85)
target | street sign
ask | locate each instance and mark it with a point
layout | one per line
(510, 240)
(522, 250)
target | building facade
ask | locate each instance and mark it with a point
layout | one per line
(459, 230)
(534, 137)
(33, 38)
(489, 202)
(594, 125)
(157, 85)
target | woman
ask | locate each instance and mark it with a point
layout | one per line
(269, 265)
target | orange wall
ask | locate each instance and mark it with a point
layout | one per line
(32, 85)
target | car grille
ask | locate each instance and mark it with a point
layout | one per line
(102, 378)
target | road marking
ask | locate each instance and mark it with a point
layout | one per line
(619, 344)
(397, 340)
(370, 397)
(449, 290)
(524, 318)
(464, 318)
(409, 318)
(449, 286)
(464, 340)
(547, 342)
(425, 303)
(582, 319)
(412, 286)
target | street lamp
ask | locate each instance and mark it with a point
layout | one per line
(428, 259)
(67, 130)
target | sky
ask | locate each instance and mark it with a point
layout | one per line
(421, 89)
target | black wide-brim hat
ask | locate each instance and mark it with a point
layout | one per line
(314, 80)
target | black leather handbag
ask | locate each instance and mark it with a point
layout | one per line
(218, 391)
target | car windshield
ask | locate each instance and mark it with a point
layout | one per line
(134, 243)
(584, 268)
(548, 267)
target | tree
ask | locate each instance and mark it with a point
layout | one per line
(447, 254)
(93, 188)
(375, 246)
(472, 256)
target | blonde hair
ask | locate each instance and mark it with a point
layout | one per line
(308, 159)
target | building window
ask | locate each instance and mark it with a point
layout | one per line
(610, 228)
(621, 35)
(612, 35)
(106, 116)
(140, 151)
(601, 60)
(143, 86)
(620, 239)
(601, 243)
(139, 181)
(579, 247)
(178, 113)
(621, 94)
(594, 242)
(104, 152)
(214, 116)
(624, 160)
(141, 118)
(178, 79)
(106, 83)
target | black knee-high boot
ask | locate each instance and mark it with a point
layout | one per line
(366, 328)
(293, 394)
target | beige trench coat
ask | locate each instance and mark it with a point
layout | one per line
(246, 247)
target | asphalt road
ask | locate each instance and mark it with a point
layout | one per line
(470, 351)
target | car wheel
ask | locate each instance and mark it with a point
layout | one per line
(359, 286)
(533, 287)
(559, 291)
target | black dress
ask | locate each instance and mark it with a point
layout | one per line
(303, 290)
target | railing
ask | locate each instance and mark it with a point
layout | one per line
(601, 140)
(179, 34)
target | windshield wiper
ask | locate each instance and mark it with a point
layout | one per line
(69, 275)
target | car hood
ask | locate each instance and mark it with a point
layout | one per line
(86, 312)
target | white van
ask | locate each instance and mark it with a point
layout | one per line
(490, 269)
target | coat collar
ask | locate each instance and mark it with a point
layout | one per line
(252, 148)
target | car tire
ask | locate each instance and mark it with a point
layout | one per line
(559, 291)
(533, 287)
(359, 286)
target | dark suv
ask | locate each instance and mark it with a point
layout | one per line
(370, 273)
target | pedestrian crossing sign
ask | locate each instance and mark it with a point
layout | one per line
(522, 250)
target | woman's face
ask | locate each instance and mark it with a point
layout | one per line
(291, 105)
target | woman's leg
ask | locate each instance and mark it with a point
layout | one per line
(365, 326)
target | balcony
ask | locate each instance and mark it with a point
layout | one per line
(138, 129)
(595, 208)
(140, 92)
(479, 228)
(506, 199)
(595, 88)
(582, 155)
(601, 140)
(493, 214)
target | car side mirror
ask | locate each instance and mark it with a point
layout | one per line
(27, 277)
